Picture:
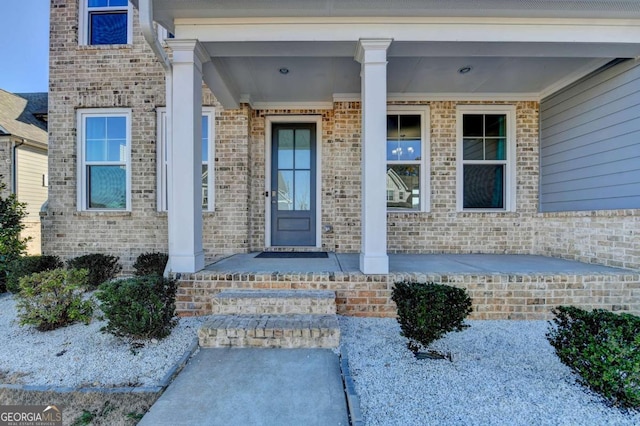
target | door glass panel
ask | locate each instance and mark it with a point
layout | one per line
(303, 190)
(285, 149)
(285, 190)
(303, 149)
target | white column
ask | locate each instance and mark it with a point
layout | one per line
(185, 157)
(372, 54)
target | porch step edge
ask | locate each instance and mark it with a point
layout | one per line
(270, 331)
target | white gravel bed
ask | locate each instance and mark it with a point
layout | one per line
(503, 373)
(81, 355)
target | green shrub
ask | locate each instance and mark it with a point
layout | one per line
(603, 348)
(53, 299)
(139, 307)
(12, 245)
(101, 267)
(427, 311)
(28, 265)
(151, 264)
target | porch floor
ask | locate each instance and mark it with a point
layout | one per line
(484, 264)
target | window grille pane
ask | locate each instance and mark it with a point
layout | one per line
(472, 149)
(495, 149)
(205, 186)
(403, 186)
(107, 3)
(108, 28)
(495, 125)
(107, 187)
(472, 125)
(483, 186)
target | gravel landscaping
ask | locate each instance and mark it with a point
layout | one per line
(503, 372)
(81, 356)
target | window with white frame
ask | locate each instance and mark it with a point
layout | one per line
(104, 159)
(407, 159)
(105, 22)
(486, 158)
(208, 159)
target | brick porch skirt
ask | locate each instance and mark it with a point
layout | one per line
(495, 296)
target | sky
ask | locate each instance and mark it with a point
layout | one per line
(24, 45)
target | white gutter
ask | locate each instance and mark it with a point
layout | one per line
(145, 10)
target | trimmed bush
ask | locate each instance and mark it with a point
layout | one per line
(28, 265)
(151, 264)
(603, 348)
(12, 245)
(53, 299)
(101, 267)
(139, 307)
(427, 311)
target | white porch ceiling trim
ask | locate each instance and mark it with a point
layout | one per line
(573, 77)
(433, 97)
(411, 29)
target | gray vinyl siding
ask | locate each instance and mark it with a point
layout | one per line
(31, 165)
(590, 143)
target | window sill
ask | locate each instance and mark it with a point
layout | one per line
(406, 211)
(109, 213)
(104, 46)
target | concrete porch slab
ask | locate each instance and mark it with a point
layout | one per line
(414, 263)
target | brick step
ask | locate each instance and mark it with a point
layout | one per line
(255, 302)
(270, 331)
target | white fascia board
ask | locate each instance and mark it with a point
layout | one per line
(411, 29)
(292, 105)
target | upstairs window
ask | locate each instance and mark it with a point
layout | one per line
(105, 22)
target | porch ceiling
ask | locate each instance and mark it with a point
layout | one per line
(318, 78)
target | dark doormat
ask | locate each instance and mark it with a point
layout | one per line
(292, 255)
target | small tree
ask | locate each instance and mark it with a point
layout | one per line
(12, 245)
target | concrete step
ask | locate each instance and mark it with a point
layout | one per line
(286, 302)
(270, 331)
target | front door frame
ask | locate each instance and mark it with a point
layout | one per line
(268, 129)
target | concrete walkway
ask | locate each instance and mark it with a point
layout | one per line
(247, 386)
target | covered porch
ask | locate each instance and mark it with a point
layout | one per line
(501, 286)
(310, 56)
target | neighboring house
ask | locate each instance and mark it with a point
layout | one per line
(510, 127)
(23, 155)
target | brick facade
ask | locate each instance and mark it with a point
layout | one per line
(131, 77)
